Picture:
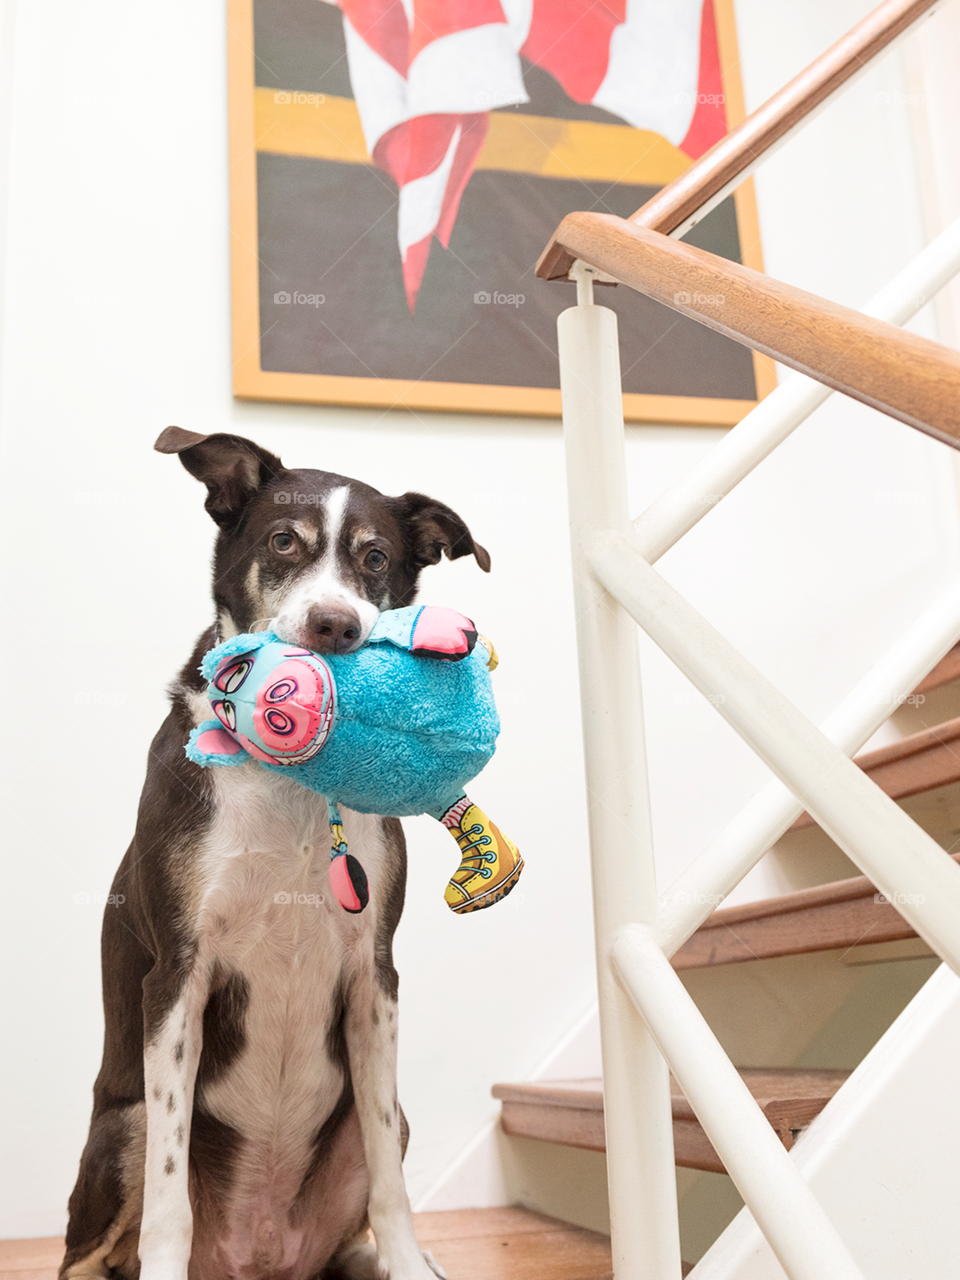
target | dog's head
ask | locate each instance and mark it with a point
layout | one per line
(313, 555)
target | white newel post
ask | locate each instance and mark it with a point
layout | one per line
(639, 1131)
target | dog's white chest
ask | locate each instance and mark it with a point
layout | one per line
(268, 915)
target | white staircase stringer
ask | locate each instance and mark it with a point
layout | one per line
(882, 1157)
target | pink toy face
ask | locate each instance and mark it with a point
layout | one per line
(289, 707)
(278, 702)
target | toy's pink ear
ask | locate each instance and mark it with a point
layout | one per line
(217, 742)
(210, 744)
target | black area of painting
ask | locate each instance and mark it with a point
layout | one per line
(548, 99)
(299, 45)
(329, 228)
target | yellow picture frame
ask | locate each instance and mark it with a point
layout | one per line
(252, 115)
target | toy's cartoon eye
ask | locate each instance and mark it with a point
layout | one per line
(281, 691)
(230, 678)
(226, 713)
(375, 560)
(283, 542)
(280, 722)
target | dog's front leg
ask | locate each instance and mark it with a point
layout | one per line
(371, 1029)
(173, 1024)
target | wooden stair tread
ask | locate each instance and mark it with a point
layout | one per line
(843, 914)
(921, 762)
(570, 1112)
(471, 1244)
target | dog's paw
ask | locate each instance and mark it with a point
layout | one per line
(434, 1265)
(422, 1267)
(361, 1261)
(425, 1270)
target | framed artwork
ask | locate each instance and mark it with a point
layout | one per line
(397, 166)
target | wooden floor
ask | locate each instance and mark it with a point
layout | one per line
(470, 1244)
(30, 1259)
(512, 1244)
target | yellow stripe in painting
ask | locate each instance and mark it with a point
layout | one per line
(309, 124)
(328, 128)
(583, 149)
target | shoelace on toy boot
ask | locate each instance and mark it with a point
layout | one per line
(467, 859)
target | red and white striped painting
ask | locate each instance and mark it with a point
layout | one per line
(426, 73)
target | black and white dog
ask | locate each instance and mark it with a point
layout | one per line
(245, 1120)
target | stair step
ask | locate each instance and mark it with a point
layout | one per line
(829, 917)
(570, 1112)
(921, 762)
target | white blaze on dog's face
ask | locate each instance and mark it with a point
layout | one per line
(326, 606)
(312, 555)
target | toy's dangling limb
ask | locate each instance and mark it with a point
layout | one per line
(426, 632)
(492, 660)
(490, 864)
(348, 880)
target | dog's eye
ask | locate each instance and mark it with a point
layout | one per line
(375, 560)
(284, 543)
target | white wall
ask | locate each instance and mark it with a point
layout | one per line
(116, 323)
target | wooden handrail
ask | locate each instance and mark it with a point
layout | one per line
(689, 197)
(908, 377)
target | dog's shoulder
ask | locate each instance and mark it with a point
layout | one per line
(189, 680)
(174, 814)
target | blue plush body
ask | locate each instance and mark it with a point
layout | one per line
(409, 732)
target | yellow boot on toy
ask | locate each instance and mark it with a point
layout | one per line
(490, 864)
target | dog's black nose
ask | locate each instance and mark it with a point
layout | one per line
(332, 629)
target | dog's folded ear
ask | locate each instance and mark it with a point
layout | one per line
(434, 530)
(231, 467)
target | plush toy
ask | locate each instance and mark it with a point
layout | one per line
(396, 728)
